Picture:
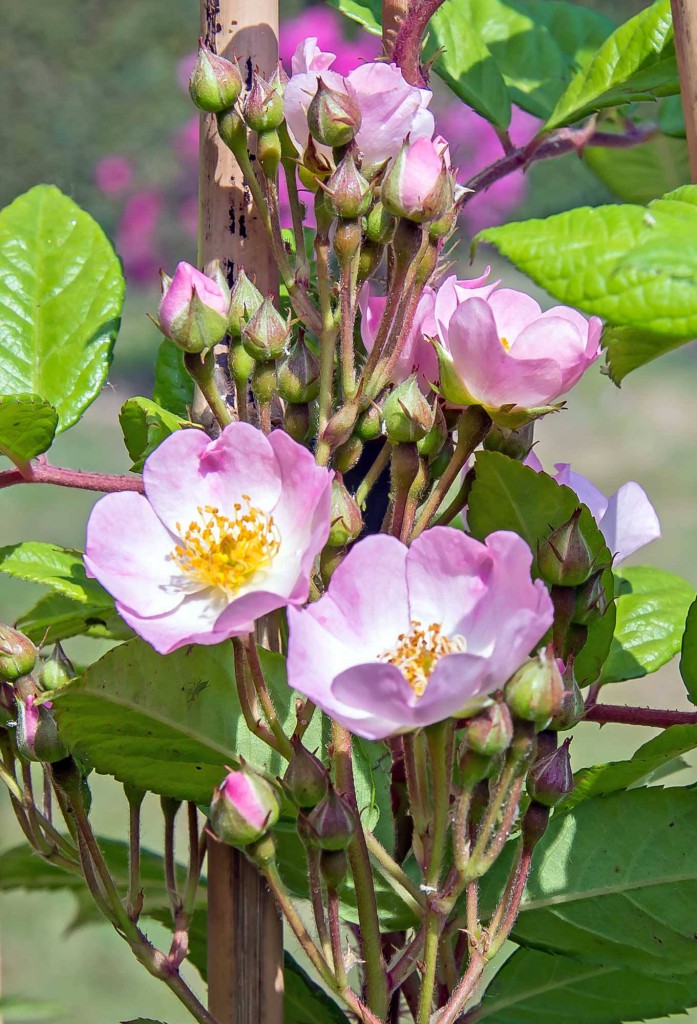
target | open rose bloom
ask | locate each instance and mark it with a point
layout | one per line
(227, 531)
(405, 637)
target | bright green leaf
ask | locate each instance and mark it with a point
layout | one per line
(629, 348)
(536, 988)
(601, 779)
(651, 608)
(638, 174)
(145, 425)
(61, 292)
(688, 656)
(635, 62)
(367, 13)
(27, 426)
(61, 569)
(174, 388)
(56, 617)
(671, 119)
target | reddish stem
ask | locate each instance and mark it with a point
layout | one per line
(407, 46)
(40, 472)
(657, 718)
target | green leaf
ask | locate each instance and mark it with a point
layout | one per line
(533, 987)
(174, 388)
(651, 608)
(145, 425)
(61, 569)
(688, 655)
(142, 1020)
(614, 882)
(671, 119)
(171, 723)
(367, 13)
(635, 62)
(304, 1001)
(601, 779)
(638, 174)
(61, 292)
(56, 617)
(629, 348)
(18, 1008)
(372, 771)
(27, 427)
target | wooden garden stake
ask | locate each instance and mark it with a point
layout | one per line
(685, 28)
(245, 934)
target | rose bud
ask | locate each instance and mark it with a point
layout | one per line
(266, 334)
(418, 184)
(245, 300)
(369, 424)
(37, 733)
(368, 261)
(517, 444)
(332, 822)
(306, 779)
(233, 132)
(430, 445)
(333, 866)
(333, 117)
(408, 416)
(215, 83)
(380, 225)
(591, 600)
(269, 152)
(550, 779)
(298, 374)
(491, 731)
(57, 670)
(17, 654)
(347, 455)
(244, 808)
(297, 421)
(349, 192)
(263, 106)
(193, 310)
(535, 692)
(346, 518)
(564, 558)
(573, 705)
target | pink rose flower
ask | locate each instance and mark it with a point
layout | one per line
(405, 637)
(502, 351)
(328, 25)
(193, 310)
(627, 519)
(418, 184)
(227, 531)
(390, 108)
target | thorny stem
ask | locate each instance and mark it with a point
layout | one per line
(407, 961)
(657, 718)
(406, 52)
(464, 990)
(315, 878)
(197, 853)
(40, 472)
(335, 936)
(507, 911)
(394, 295)
(393, 873)
(169, 811)
(134, 902)
(283, 744)
(327, 335)
(458, 503)
(347, 356)
(201, 369)
(247, 696)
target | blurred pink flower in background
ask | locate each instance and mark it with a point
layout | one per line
(135, 239)
(113, 174)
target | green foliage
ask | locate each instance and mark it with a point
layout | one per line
(652, 757)
(27, 426)
(638, 174)
(15, 1009)
(605, 261)
(145, 425)
(635, 62)
(305, 1002)
(61, 292)
(61, 569)
(174, 388)
(56, 617)
(688, 655)
(651, 609)
(533, 987)
(372, 772)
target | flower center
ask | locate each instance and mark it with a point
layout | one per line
(223, 552)
(505, 342)
(417, 652)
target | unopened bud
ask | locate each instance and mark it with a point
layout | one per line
(193, 310)
(550, 779)
(347, 455)
(437, 464)
(333, 117)
(573, 705)
(408, 416)
(435, 439)
(534, 693)
(278, 80)
(263, 381)
(306, 779)
(240, 363)
(37, 733)
(17, 654)
(349, 192)
(266, 334)
(517, 444)
(380, 225)
(347, 241)
(346, 518)
(329, 561)
(340, 426)
(233, 132)
(263, 106)
(444, 226)
(534, 825)
(245, 300)
(215, 83)
(333, 822)
(297, 422)
(368, 261)
(591, 600)
(269, 152)
(244, 808)
(314, 168)
(418, 185)
(333, 865)
(476, 767)
(564, 559)
(298, 374)
(369, 424)
(405, 466)
(491, 731)
(57, 670)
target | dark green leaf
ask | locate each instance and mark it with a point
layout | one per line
(56, 617)
(305, 1002)
(629, 348)
(27, 426)
(174, 388)
(638, 174)
(636, 61)
(372, 771)
(651, 608)
(651, 757)
(142, 1020)
(145, 425)
(61, 569)
(671, 119)
(534, 987)
(688, 656)
(61, 292)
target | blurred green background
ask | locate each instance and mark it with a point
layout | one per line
(83, 80)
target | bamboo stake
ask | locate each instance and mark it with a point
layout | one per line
(685, 28)
(245, 935)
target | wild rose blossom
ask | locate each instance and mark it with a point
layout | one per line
(405, 637)
(502, 352)
(226, 532)
(627, 519)
(390, 108)
(193, 310)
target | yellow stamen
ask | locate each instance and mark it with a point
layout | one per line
(506, 343)
(223, 552)
(417, 652)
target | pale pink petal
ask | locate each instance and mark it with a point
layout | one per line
(447, 575)
(513, 311)
(422, 168)
(453, 292)
(629, 522)
(531, 460)
(138, 571)
(588, 493)
(381, 692)
(192, 622)
(297, 98)
(240, 790)
(309, 57)
(391, 110)
(372, 308)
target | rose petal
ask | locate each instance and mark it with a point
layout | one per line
(629, 522)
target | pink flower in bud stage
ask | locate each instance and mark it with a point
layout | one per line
(502, 352)
(244, 808)
(405, 637)
(227, 531)
(390, 108)
(418, 184)
(627, 519)
(193, 310)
